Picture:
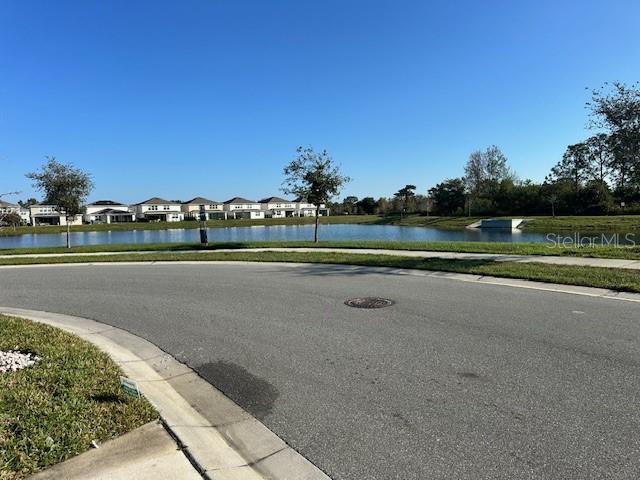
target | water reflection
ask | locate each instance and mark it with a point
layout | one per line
(274, 233)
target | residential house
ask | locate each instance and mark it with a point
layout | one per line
(213, 210)
(44, 214)
(159, 210)
(276, 207)
(239, 207)
(25, 216)
(7, 208)
(108, 211)
(306, 209)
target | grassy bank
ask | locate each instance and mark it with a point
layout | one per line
(190, 224)
(53, 410)
(619, 223)
(542, 224)
(630, 252)
(615, 279)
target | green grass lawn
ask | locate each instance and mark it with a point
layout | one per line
(71, 396)
(630, 252)
(620, 223)
(612, 278)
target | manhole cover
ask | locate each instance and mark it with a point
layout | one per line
(369, 302)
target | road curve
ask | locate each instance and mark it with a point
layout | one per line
(456, 380)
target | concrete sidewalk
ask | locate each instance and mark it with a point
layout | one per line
(147, 453)
(495, 257)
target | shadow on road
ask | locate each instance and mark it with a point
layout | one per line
(397, 265)
(252, 393)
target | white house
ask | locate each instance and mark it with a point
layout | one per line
(239, 207)
(276, 207)
(306, 209)
(107, 211)
(25, 216)
(7, 208)
(43, 214)
(212, 209)
(159, 210)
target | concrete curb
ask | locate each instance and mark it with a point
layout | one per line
(222, 441)
(463, 277)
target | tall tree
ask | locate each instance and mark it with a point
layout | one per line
(483, 174)
(349, 204)
(449, 196)
(616, 108)
(28, 202)
(406, 194)
(384, 206)
(574, 166)
(599, 156)
(64, 186)
(625, 163)
(367, 205)
(495, 166)
(475, 173)
(313, 176)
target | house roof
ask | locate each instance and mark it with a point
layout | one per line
(274, 200)
(7, 204)
(199, 201)
(112, 211)
(105, 203)
(238, 200)
(157, 201)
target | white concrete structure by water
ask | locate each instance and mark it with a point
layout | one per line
(510, 223)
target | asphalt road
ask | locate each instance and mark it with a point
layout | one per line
(456, 380)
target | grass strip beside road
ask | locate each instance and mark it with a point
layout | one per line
(52, 410)
(610, 278)
(508, 248)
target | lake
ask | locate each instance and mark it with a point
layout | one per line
(276, 232)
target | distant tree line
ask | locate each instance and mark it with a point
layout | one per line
(600, 175)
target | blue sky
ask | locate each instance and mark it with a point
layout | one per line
(178, 99)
